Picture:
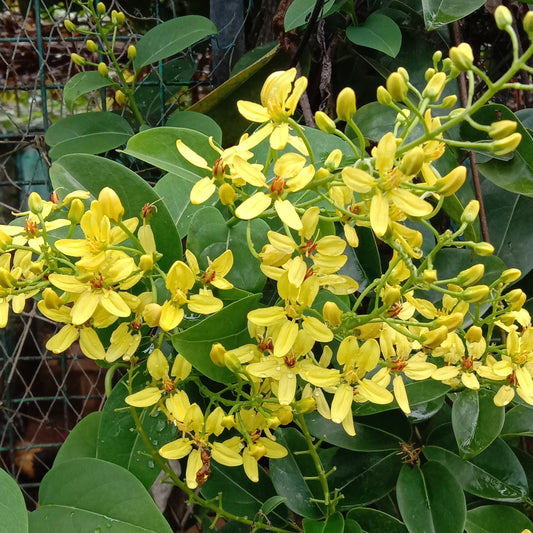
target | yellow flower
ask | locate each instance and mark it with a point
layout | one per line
(279, 97)
(216, 271)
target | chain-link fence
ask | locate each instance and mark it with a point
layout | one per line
(42, 396)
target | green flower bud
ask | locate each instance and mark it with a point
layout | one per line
(483, 248)
(470, 275)
(397, 87)
(437, 56)
(324, 123)
(510, 275)
(69, 26)
(103, 70)
(78, 60)
(506, 145)
(449, 101)
(91, 46)
(100, 7)
(430, 72)
(35, 203)
(232, 363)
(475, 294)
(435, 86)
(412, 161)
(76, 211)
(503, 17)
(383, 96)
(132, 52)
(403, 72)
(346, 104)
(471, 212)
(528, 23)
(462, 57)
(502, 128)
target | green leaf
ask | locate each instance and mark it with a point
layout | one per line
(92, 173)
(437, 13)
(118, 442)
(363, 478)
(157, 146)
(241, 496)
(373, 433)
(82, 440)
(518, 422)
(430, 499)
(351, 526)
(509, 220)
(313, 526)
(494, 474)
(171, 37)
(289, 473)
(83, 83)
(88, 494)
(196, 121)
(228, 326)
(374, 521)
(13, 514)
(495, 519)
(271, 504)
(87, 133)
(378, 32)
(299, 12)
(476, 421)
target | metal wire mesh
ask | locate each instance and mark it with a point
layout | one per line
(42, 396)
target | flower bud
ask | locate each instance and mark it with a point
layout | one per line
(111, 205)
(437, 56)
(35, 203)
(474, 334)
(103, 70)
(475, 294)
(391, 295)
(346, 104)
(514, 296)
(502, 128)
(227, 194)
(449, 101)
(146, 262)
(528, 23)
(146, 238)
(397, 87)
(434, 337)
(403, 73)
(100, 7)
(228, 421)
(78, 60)
(120, 97)
(132, 52)
(435, 86)
(76, 211)
(462, 57)
(503, 17)
(510, 275)
(232, 363)
(470, 275)
(470, 213)
(506, 145)
(429, 275)
(412, 161)
(452, 182)
(332, 314)
(91, 46)
(430, 72)
(151, 314)
(383, 96)
(257, 451)
(304, 406)
(483, 248)
(217, 354)
(324, 123)
(452, 322)
(69, 26)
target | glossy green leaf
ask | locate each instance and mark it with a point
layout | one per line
(375, 521)
(437, 13)
(367, 255)
(87, 133)
(496, 519)
(157, 146)
(271, 504)
(93, 173)
(494, 474)
(375, 433)
(430, 499)
(253, 55)
(118, 442)
(13, 514)
(476, 421)
(82, 440)
(363, 478)
(240, 495)
(313, 526)
(196, 121)
(83, 83)
(509, 221)
(299, 12)
(378, 32)
(289, 473)
(333, 524)
(87, 495)
(228, 326)
(170, 38)
(518, 422)
(351, 526)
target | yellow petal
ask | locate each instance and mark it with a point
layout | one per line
(191, 156)
(379, 214)
(202, 190)
(144, 398)
(63, 339)
(253, 206)
(341, 406)
(288, 214)
(176, 449)
(252, 111)
(171, 316)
